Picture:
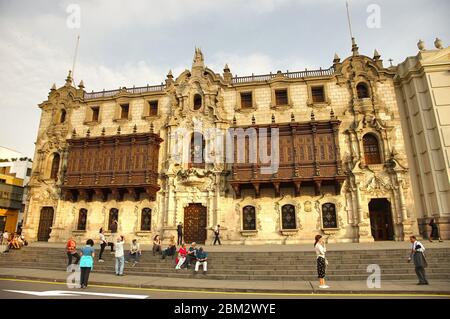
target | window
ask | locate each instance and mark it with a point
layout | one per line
(113, 216)
(329, 219)
(124, 110)
(249, 218)
(55, 167)
(62, 118)
(371, 149)
(28, 171)
(82, 219)
(197, 158)
(2, 181)
(246, 100)
(95, 113)
(146, 219)
(288, 217)
(362, 91)
(281, 97)
(318, 94)
(153, 105)
(197, 101)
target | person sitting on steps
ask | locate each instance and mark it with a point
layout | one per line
(202, 259)
(171, 250)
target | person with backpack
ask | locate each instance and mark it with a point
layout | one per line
(71, 250)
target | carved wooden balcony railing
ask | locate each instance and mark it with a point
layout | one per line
(112, 165)
(308, 155)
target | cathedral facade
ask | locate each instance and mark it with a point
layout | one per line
(274, 158)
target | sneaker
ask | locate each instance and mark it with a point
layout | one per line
(126, 261)
(134, 264)
(101, 261)
(324, 286)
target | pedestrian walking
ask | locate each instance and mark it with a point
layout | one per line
(86, 262)
(217, 235)
(71, 250)
(120, 256)
(180, 233)
(434, 231)
(418, 257)
(322, 262)
(103, 244)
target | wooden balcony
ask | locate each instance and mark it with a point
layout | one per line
(308, 156)
(112, 165)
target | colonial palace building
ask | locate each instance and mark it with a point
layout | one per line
(342, 167)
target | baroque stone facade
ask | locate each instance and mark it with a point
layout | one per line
(373, 200)
(423, 92)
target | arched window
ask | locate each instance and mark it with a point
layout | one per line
(82, 219)
(288, 217)
(113, 216)
(329, 218)
(197, 150)
(55, 167)
(371, 149)
(146, 219)
(249, 218)
(197, 101)
(362, 90)
(62, 117)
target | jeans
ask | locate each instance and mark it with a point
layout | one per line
(217, 239)
(119, 265)
(84, 275)
(135, 256)
(102, 248)
(180, 239)
(69, 255)
(156, 248)
(189, 259)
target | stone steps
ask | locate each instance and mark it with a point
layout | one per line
(344, 265)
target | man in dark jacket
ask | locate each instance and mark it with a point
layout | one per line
(180, 233)
(418, 257)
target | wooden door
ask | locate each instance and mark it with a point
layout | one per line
(381, 219)
(45, 223)
(195, 223)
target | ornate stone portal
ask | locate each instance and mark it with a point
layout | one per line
(342, 170)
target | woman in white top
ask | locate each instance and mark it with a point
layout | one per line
(320, 248)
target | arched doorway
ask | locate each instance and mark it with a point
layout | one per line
(195, 223)
(381, 219)
(45, 223)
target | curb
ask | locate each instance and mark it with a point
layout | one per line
(312, 291)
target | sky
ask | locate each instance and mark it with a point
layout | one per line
(126, 43)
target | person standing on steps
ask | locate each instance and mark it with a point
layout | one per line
(322, 262)
(180, 233)
(418, 257)
(114, 226)
(103, 244)
(434, 231)
(120, 256)
(71, 248)
(86, 262)
(217, 235)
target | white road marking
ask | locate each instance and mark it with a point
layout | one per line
(65, 293)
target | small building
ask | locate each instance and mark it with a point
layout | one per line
(16, 170)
